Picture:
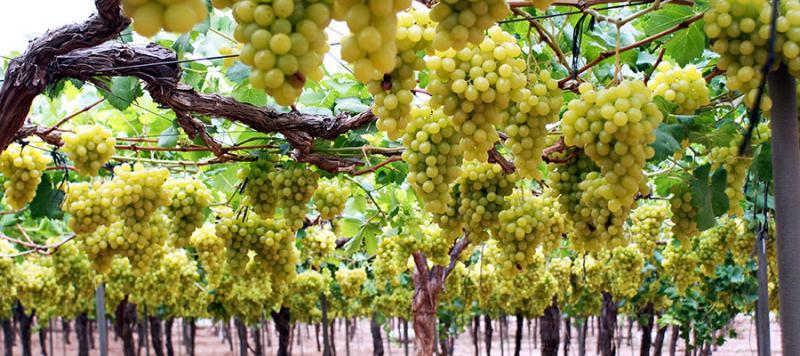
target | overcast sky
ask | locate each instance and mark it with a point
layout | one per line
(23, 20)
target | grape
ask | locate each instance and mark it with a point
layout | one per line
(529, 222)
(306, 290)
(150, 16)
(683, 212)
(396, 302)
(370, 46)
(475, 85)
(35, 285)
(484, 187)
(119, 281)
(679, 266)
(258, 191)
(624, 271)
(89, 147)
(707, 245)
(284, 43)
(210, 251)
(736, 166)
(188, 198)
(136, 192)
(228, 51)
(392, 94)
(464, 21)
(246, 294)
(23, 167)
(433, 155)
(647, 224)
(294, 186)
(684, 87)
(743, 241)
(350, 281)
(390, 260)
(318, 244)
(561, 269)
(527, 122)
(222, 4)
(88, 207)
(169, 284)
(7, 290)
(140, 241)
(433, 242)
(330, 198)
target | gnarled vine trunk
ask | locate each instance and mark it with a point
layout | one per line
(126, 320)
(646, 318)
(549, 329)
(241, 332)
(377, 339)
(156, 335)
(8, 337)
(658, 345)
(608, 323)
(283, 328)
(518, 334)
(82, 333)
(168, 336)
(24, 321)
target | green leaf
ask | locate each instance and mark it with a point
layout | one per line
(666, 17)
(666, 107)
(701, 198)
(762, 162)
(349, 226)
(687, 45)
(664, 183)
(246, 94)
(183, 44)
(168, 137)
(665, 144)
(238, 72)
(48, 199)
(124, 90)
(371, 244)
(353, 105)
(719, 200)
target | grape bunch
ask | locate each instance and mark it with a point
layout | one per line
(150, 16)
(707, 245)
(433, 242)
(743, 241)
(88, 207)
(136, 192)
(89, 147)
(7, 290)
(330, 198)
(258, 191)
(736, 166)
(318, 244)
(465, 21)
(527, 122)
(350, 281)
(370, 46)
(433, 155)
(294, 185)
(188, 200)
(35, 284)
(23, 167)
(683, 213)
(140, 241)
(210, 251)
(390, 260)
(241, 234)
(684, 87)
(392, 94)
(529, 222)
(305, 293)
(740, 30)
(475, 85)
(229, 51)
(484, 187)
(284, 43)
(679, 267)
(624, 271)
(647, 224)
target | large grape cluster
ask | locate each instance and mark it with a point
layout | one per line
(258, 191)
(23, 167)
(150, 16)
(624, 271)
(736, 166)
(89, 147)
(684, 87)
(119, 281)
(475, 85)
(210, 251)
(139, 241)
(529, 222)
(294, 186)
(370, 46)
(88, 207)
(683, 213)
(188, 200)
(484, 187)
(433, 155)
(465, 21)
(647, 226)
(306, 289)
(679, 266)
(318, 244)
(526, 126)
(390, 260)
(284, 43)
(433, 241)
(743, 241)
(168, 282)
(707, 245)
(330, 198)
(7, 290)
(36, 285)
(392, 94)
(350, 281)
(136, 192)
(740, 30)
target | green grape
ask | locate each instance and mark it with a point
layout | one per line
(707, 245)
(370, 46)
(188, 198)
(684, 213)
(245, 294)
(76, 279)
(561, 269)
(484, 187)
(23, 167)
(396, 302)
(684, 87)
(350, 281)
(284, 43)
(169, 284)
(454, 285)
(140, 241)
(318, 244)
(150, 16)
(679, 266)
(484, 276)
(222, 4)
(433, 242)
(89, 147)
(392, 94)
(647, 224)
(743, 242)
(624, 271)
(464, 21)
(88, 207)
(119, 281)
(390, 260)
(210, 251)
(736, 166)
(590, 270)
(35, 284)
(433, 155)
(529, 222)
(306, 290)
(136, 192)
(330, 198)
(258, 191)
(8, 291)
(527, 122)
(475, 85)
(294, 186)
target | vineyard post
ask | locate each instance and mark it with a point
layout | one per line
(786, 174)
(100, 300)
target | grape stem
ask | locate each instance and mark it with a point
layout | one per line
(655, 65)
(69, 117)
(35, 248)
(546, 36)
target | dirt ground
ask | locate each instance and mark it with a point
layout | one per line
(209, 342)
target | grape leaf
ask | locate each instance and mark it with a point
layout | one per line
(666, 17)
(48, 199)
(762, 162)
(719, 200)
(686, 45)
(168, 137)
(124, 90)
(246, 94)
(238, 72)
(665, 144)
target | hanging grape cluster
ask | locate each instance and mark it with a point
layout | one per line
(474, 85)
(624, 271)
(136, 192)
(647, 226)
(284, 43)
(137, 240)
(433, 155)
(294, 186)
(350, 281)
(529, 222)
(684, 214)
(736, 166)
(684, 87)
(330, 198)
(259, 194)
(88, 207)
(150, 16)
(679, 267)
(89, 147)
(465, 21)
(189, 198)
(318, 244)
(23, 167)
(210, 252)
(484, 187)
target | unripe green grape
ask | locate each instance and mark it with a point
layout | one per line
(736, 166)
(647, 226)
(706, 246)
(137, 240)
(684, 213)
(210, 252)
(35, 284)
(88, 207)
(330, 198)
(7, 290)
(464, 21)
(683, 86)
(350, 281)
(294, 185)
(89, 147)
(22, 167)
(259, 193)
(136, 192)
(305, 293)
(624, 271)
(529, 222)
(150, 16)
(318, 244)
(484, 187)
(679, 266)
(188, 200)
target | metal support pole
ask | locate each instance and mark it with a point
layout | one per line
(100, 300)
(786, 173)
(762, 304)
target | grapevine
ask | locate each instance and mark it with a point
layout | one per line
(23, 167)
(189, 197)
